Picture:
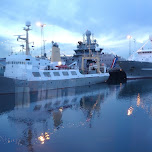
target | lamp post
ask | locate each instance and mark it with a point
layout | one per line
(42, 37)
(129, 37)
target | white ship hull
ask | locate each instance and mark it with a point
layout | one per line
(9, 85)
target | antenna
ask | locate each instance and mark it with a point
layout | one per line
(83, 38)
(93, 37)
(19, 37)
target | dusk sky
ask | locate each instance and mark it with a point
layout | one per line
(66, 21)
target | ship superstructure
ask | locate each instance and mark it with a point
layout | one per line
(89, 47)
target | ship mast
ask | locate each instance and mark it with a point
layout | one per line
(28, 24)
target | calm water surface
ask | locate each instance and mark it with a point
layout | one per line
(108, 118)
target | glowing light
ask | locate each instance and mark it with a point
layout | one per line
(47, 138)
(41, 138)
(61, 109)
(129, 36)
(46, 134)
(130, 110)
(44, 137)
(38, 23)
(59, 63)
(138, 100)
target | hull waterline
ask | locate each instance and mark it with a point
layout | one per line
(9, 85)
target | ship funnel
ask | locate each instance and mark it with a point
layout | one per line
(55, 57)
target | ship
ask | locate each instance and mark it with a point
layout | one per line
(89, 46)
(23, 70)
(139, 66)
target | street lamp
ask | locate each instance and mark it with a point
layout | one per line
(42, 37)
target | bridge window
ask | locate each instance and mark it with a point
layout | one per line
(56, 73)
(73, 73)
(36, 74)
(47, 74)
(65, 73)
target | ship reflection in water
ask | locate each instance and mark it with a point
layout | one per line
(91, 118)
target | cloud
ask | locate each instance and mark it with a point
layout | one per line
(5, 47)
(63, 10)
(110, 21)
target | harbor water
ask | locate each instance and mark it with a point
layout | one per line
(103, 117)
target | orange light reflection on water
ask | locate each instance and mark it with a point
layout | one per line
(130, 110)
(44, 137)
(138, 100)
